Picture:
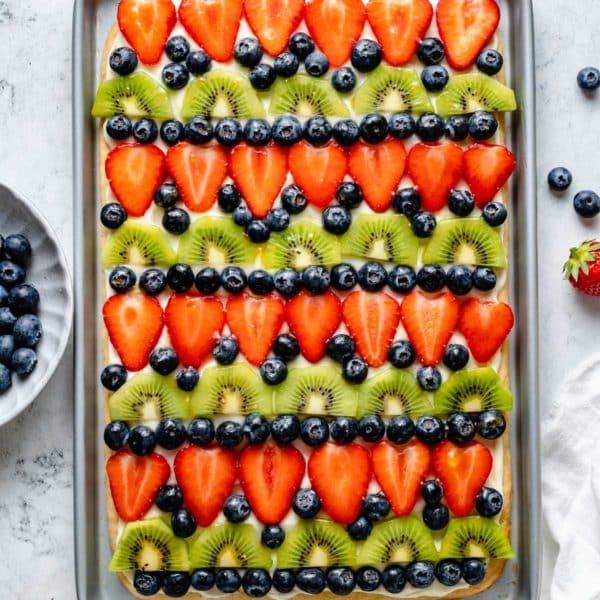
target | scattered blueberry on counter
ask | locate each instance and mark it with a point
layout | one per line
(589, 78)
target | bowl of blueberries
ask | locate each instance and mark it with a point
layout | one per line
(36, 303)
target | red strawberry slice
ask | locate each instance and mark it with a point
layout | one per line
(134, 322)
(270, 475)
(372, 320)
(485, 324)
(255, 322)
(206, 477)
(399, 26)
(378, 170)
(430, 321)
(435, 169)
(340, 475)
(313, 320)
(487, 169)
(463, 470)
(335, 26)
(134, 481)
(259, 173)
(400, 470)
(273, 21)
(146, 25)
(194, 324)
(466, 26)
(198, 172)
(134, 173)
(318, 170)
(212, 24)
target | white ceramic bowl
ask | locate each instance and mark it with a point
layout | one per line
(48, 272)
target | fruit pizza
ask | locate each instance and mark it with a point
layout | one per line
(304, 262)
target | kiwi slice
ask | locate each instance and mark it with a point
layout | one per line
(231, 390)
(472, 391)
(389, 89)
(475, 537)
(148, 397)
(306, 96)
(382, 238)
(149, 545)
(301, 245)
(220, 94)
(136, 95)
(215, 242)
(393, 392)
(315, 391)
(229, 546)
(316, 543)
(471, 92)
(465, 241)
(138, 244)
(400, 540)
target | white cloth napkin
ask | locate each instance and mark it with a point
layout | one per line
(571, 484)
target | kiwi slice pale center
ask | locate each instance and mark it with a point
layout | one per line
(318, 557)
(475, 550)
(404, 553)
(231, 400)
(229, 558)
(150, 558)
(465, 255)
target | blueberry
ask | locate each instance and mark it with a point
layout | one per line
(489, 502)
(177, 48)
(285, 428)
(459, 280)
(393, 579)
(430, 430)
(170, 433)
(113, 377)
(147, 583)
(431, 278)
(588, 78)
(7, 320)
(457, 128)
(277, 219)
(145, 131)
(153, 281)
(115, 434)
(373, 128)
(355, 370)
(141, 440)
(198, 130)
(293, 200)
(256, 582)
(260, 282)
(284, 580)
(420, 574)
(248, 52)
(482, 125)
(228, 132)
(236, 508)
(432, 492)
(176, 583)
(402, 279)
(456, 357)
(169, 498)
(166, 196)
(461, 202)
(349, 194)
(273, 371)
(311, 580)
(288, 282)
(163, 360)
(5, 379)
(491, 424)
(366, 55)
(287, 130)
(343, 79)
(343, 430)
(203, 579)
(375, 507)
(11, 274)
(484, 279)
(208, 280)
(340, 347)
(228, 434)
(180, 277)
(262, 76)
(448, 572)
(314, 431)
(255, 428)
(172, 132)
(430, 51)
(341, 580)
(407, 201)
(430, 127)
(286, 347)
(435, 78)
(337, 219)
(3, 296)
(346, 132)
(490, 61)
(242, 216)
(286, 64)
(24, 298)
(257, 132)
(175, 76)
(233, 279)
(400, 429)
(317, 130)
(176, 221)
(372, 277)
(559, 179)
(343, 277)
(27, 331)
(301, 45)
(23, 361)
(401, 354)
(112, 215)
(429, 378)
(272, 536)
(201, 432)
(461, 428)
(306, 503)
(423, 224)
(473, 570)
(494, 213)
(586, 204)
(228, 580)
(368, 579)
(123, 61)
(316, 279)
(198, 62)
(258, 231)
(119, 127)
(183, 523)
(316, 64)
(401, 126)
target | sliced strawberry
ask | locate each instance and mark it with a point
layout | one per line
(212, 24)
(378, 170)
(399, 26)
(255, 322)
(485, 324)
(335, 26)
(318, 170)
(400, 470)
(134, 322)
(134, 481)
(259, 173)
(194, 324)
(146, 25)
(340, 475)
(273, 21)
(270, 475)
(463, 470)
(435, 169)
(466, 26)
(206, 477)
(430, 321)
(372, 320)
(198, 172)
(487, 169)
(313, 320)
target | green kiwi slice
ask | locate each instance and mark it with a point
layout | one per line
(315, 391)
(472, 391)
(215, 242)
(149, 545)
(465, 241)
(316, 543)
(301, 245)
(390, 89)
(136, 95)
(306, 96)
(148, 397)
(475, 537)
(393, 392)
(137, 244)
(229, 546)
(231, 390)
(471, 92)
(381, 238)
(398, 541)
(220, 94)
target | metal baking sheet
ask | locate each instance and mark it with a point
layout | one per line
(91, 22)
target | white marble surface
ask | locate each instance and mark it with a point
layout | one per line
(35, 157)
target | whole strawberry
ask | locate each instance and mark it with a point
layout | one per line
(583, 268)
